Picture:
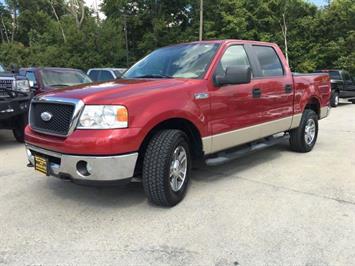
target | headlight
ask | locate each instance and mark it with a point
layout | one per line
(103, 117)
(22, 86)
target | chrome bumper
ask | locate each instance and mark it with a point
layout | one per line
(88, 168)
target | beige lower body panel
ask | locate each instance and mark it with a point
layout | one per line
(237, 137)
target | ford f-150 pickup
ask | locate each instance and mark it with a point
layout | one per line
(209, 101)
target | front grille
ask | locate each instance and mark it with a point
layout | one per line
(59, 124)
(5, 84)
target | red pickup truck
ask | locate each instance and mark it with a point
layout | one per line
(211, 101)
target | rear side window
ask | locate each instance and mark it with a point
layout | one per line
(106, 75)
(269, 61)
(234, 56)
(94, 75)
(347, 76)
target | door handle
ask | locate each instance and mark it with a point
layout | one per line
(288, 88)
(256, 93)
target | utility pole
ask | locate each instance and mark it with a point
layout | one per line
(97, 11)
(284, 33)
(126, 39)
(201, 20)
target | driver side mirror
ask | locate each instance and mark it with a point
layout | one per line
(234, 75)
(33, 85)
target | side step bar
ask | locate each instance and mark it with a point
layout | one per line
(226, 156)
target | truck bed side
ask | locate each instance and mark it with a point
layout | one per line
(311, 89)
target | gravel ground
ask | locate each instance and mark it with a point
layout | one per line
(273, 207)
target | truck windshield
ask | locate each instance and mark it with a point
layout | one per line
(58, 77)
(2, 69)
(334, 75)
(180, 61)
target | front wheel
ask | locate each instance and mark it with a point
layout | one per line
(166, 167)
(303, 138)
(19, 131)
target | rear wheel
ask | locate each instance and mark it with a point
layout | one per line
(303, 138)
(334, 100)
(166, 167)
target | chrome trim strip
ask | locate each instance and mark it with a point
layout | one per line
(44, 151)
(103, 168)
(79, 107)
(237, 137)
(7, 78)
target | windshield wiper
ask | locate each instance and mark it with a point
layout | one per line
(59, 85)
(154, 76)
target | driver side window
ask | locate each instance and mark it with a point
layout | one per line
(31, 77)
(234, 56)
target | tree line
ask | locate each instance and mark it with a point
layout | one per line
(66, 33)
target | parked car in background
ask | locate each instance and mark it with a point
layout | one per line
(15, 96)
(105, 74)
(343, 85)
(212, 101)
(44, 79)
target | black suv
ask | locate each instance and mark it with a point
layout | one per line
(15, 96)
(343, 86)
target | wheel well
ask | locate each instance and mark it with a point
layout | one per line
(335, 88)
(314, 105)
(184, 125)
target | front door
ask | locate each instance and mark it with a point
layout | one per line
(233, 107)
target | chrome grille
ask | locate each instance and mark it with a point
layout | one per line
(5, 84)
(64, 113)
(59, 123)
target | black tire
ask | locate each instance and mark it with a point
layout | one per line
(297, 135)
(19, 131)
(19, 134)
(157, 162)
(334, 99)
(352, 101)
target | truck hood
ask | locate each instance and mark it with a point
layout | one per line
(114, 91)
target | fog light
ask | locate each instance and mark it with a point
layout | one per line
(84, 168)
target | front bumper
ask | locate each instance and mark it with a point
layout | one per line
(86, 168)
(11, 107)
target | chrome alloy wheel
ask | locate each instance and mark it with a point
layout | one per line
(310, 131)
(178, 168)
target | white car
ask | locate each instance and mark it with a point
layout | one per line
(105, 74)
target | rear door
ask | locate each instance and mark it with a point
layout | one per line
(275, 83)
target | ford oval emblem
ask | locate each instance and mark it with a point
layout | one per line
(46, 116)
